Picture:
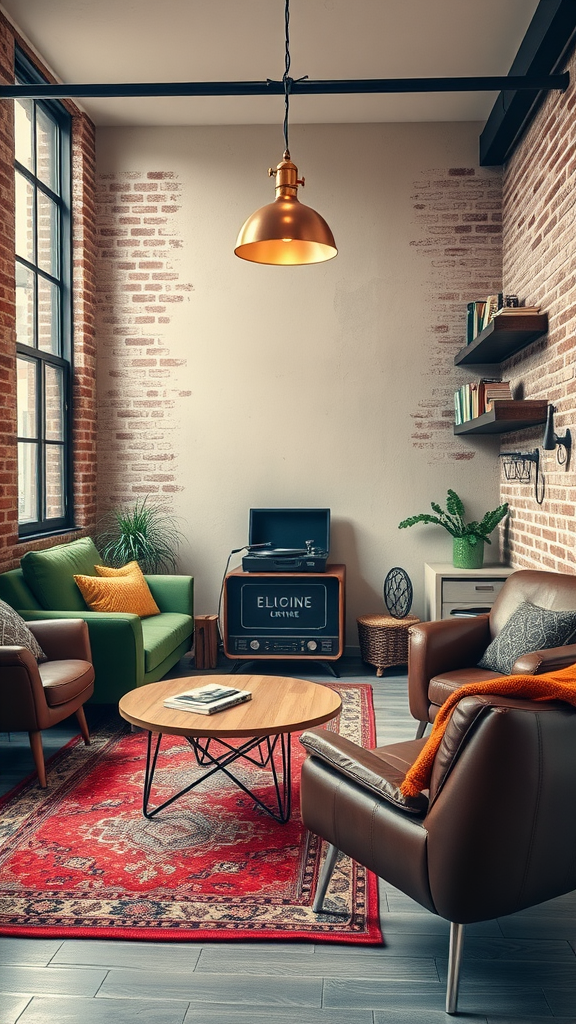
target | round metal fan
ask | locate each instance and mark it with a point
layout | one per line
(398, 593)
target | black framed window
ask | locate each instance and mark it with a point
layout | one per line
(42, 167)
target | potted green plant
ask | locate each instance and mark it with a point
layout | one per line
(145, 531)
(468, 543)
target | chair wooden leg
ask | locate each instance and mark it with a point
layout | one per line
(325, 876)
(421, 730)
(38, 755)
(454, 964)
(81, 718)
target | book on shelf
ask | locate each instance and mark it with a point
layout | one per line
(496, 392)
(491, 306)
(473, 400)
(457, 413)
(517, 311)
(207, 700)
(479, 314)
(474, 319)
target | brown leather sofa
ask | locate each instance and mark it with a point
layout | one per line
(495, 833)
(443, 655)
(35, 696)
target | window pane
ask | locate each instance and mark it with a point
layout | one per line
(27, 398)
(54, 481)
(24, 305)
(23, 114)
(48, 318)
(24, 218)
(47, 239)
(27, 482)
(43, 185)
(54, 404)
(46, 150)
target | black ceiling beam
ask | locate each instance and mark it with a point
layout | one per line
(302, 87)
(548, 39)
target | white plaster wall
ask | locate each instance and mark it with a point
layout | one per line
(305, 380)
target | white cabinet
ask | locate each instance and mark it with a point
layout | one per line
(449, 591)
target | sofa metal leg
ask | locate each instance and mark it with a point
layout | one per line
(454, 964)
(421, 730)
(81, 719)
(325, 876)
(38, 755)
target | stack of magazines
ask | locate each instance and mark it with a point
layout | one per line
(206, 700)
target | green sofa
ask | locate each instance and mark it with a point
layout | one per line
(127, 651)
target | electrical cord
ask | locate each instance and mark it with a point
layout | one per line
(235, 551)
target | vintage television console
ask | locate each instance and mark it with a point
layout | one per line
(285, 615)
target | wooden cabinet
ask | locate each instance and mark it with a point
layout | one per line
(286, 615)
(449, 591)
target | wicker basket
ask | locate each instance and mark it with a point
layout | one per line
(384, 640)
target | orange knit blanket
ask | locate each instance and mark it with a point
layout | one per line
(559, 685)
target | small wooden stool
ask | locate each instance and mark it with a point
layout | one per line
(206, 641)
(384, 640)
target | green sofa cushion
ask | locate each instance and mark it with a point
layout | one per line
(161, 634)
(50, 573)
(15, 592)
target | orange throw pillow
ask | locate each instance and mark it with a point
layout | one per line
(131, 569)
(128, 593)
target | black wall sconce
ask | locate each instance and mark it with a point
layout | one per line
(552, 440)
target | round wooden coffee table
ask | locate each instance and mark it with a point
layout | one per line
(263, 726)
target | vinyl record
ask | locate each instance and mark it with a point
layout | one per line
(280, 552)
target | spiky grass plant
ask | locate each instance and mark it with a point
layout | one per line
(145, 531)
(452, 519)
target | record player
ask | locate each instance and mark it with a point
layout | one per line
(288, 540)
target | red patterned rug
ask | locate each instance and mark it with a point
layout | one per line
(79, 859)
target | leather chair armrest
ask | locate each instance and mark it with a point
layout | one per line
(14, 656)
(442, 646)
(22, 700)
(536, 662)
(361, 766)
(62, 638)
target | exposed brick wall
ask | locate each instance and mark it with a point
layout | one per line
(139, 286)
(84, 434)
(84, 264)
(8, 464)
(459, 210)
(539, 261)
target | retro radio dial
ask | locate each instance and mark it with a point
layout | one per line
(255, 645)
(312, 645)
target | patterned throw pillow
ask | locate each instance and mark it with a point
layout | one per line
(118, 594)
(529, 628)
(15, 633)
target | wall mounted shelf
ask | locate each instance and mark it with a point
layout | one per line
(502, 338)
(506, 416)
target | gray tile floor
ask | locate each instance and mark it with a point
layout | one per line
(519, 968)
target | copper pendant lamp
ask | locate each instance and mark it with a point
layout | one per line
(286, 233)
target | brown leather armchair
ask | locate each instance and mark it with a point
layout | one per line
(35, 696)
(443, 655)
(495, 833)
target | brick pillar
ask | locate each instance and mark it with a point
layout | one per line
(8, 424)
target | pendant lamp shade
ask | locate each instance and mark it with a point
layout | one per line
(285, 232)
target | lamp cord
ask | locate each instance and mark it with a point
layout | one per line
(286, 76)
(288, 82)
